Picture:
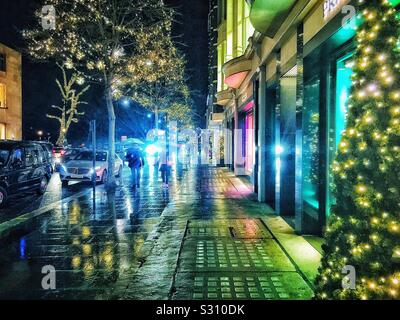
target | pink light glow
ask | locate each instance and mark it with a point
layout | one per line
(235, 80)
(249, 106)
(250, 142)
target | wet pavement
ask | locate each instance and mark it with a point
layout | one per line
(203, 238)
(23, 203)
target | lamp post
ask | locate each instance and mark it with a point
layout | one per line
(40, 134)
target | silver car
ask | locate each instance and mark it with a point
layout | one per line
(80, 168)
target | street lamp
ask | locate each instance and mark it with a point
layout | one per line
(125, 102)
(40, 134)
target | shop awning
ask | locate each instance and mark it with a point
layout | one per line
(267, 15)
(223, 97)
(236, 70)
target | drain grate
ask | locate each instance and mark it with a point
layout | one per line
(269, 286)
(235, 228)
(238, 255)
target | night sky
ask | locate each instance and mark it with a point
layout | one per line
(40, 91)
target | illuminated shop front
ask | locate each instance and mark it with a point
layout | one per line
(308, 81)
(327, 84)
(298, 64)
(249, 139)
(246, 136)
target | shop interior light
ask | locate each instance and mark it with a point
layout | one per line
(279, 149)
(151, 150)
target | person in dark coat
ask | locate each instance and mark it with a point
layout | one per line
(136, 162)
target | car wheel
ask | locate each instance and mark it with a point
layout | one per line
(43, 185)
(119, 174)
(104, 177)
(64, 183)
(3, 197)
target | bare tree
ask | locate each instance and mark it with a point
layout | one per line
(68, 113)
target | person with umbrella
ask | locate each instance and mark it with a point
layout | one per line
(136, 162)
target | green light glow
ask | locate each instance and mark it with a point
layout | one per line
(263, 12)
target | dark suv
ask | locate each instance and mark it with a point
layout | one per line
(23, 166)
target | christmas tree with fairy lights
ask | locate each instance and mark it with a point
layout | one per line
(364, 228)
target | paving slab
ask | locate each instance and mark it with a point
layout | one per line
(233, 255)
(244, 285)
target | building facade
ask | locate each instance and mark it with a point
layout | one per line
(285, 96)
(10, 94)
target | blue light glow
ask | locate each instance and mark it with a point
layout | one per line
(22, 248)
(151, 150)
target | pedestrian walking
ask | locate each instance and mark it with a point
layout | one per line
(136, 162)
(165, 169)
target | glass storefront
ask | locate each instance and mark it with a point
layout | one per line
(249, 125)
(325, 107)
(311, 143)
(338, 114)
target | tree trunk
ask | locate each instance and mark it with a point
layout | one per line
(61, 138)
(63, 129)
(111, 182)
(156, 122)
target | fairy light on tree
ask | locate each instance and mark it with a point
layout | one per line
(71, 95)
(364, 227)
(102, 39)
(159, 85)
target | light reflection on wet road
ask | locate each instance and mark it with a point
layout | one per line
(89, 250)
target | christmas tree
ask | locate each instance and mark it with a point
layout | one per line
(364, 228)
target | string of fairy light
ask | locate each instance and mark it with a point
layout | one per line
(364, 228)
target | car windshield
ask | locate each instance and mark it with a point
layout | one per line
(4, 155)
(71, 152)
(88, 156)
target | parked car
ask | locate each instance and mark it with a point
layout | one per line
(80, 168)
(24, 166)
(67, 155)
(58, 152)
(48, 149)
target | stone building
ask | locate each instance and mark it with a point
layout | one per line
(10, 94)
(284, 83)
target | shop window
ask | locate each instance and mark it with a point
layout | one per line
(229, 30)
(311, 142)
(2, 131)
(3, 101)
(339, 113)
(3, 64)
(249, 29)
(241, 46)
(249, 125)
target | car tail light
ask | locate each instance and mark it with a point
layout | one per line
(62, 152)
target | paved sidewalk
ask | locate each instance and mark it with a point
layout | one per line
(213, 242)
(204, 238)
